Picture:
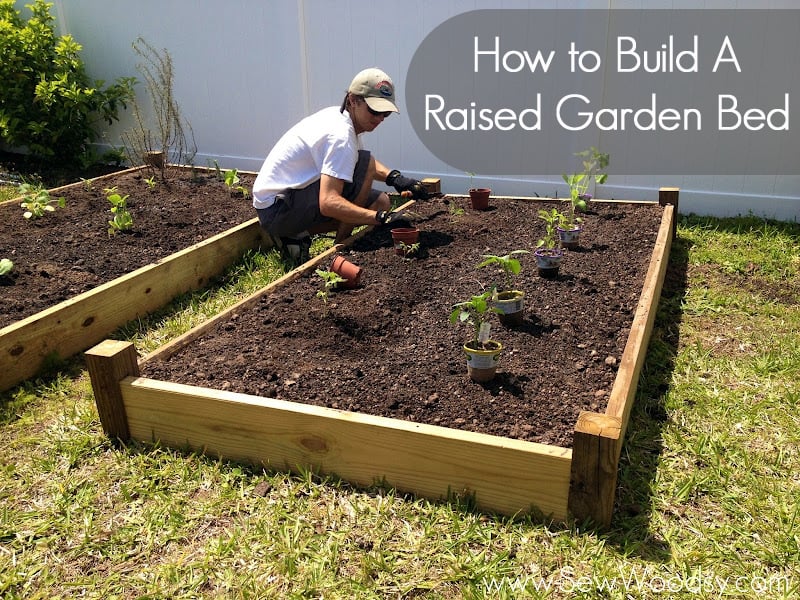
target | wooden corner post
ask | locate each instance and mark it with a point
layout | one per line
(110, 362)
(593, 477)
(669, 195)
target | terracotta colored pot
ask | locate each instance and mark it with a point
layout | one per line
(482, 363)
(404, 235)
(348, 271)
(479, 198)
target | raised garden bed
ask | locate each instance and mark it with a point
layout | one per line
(73, 283)
(258, 383)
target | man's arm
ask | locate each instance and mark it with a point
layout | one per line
(332, 204)
(381, 171)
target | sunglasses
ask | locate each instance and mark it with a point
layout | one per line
(376, 113)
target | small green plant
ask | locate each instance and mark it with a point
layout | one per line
(217, 171)
(476, 311)
(151, 182)
(232, 181)
(409, 250)
(594, 162)
(36, 201)
(231, 177)
(123, 220)
(455, 210)
(88, 184)
(330, 281)
(510, 266)
(552, 218)
(5, 266)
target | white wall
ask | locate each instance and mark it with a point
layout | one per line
(248, 69)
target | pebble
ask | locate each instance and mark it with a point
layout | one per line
(610, 360)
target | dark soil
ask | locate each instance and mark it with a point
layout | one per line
(70, 251)
(387, 347)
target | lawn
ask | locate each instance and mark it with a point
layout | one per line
(707, 500)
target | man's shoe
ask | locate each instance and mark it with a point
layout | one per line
(298, 250)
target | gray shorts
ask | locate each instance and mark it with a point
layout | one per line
(296, 211)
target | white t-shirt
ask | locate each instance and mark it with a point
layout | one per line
(325, 142)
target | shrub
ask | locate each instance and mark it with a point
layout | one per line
(48, 105)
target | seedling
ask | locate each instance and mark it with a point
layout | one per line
(511, 266)
(5, 266)
(476, 311)
(232, 181)
(594, 162)
(330, 281)
(217, 171)
(122, 221)
(37, 201)
(409, 251)
(551, 218)
(455, 210)
(88, 184)
(231, 177)
(151, 182)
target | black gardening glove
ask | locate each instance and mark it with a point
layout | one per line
(387, 218)
(407, 184)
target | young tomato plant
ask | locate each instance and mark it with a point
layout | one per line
(510, 266)
(550, 240)
(409, 251)
(476, 311)
(330, 281)
(123, 220)
(594, 162)
(37, 201)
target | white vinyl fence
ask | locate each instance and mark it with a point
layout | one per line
(248, 69)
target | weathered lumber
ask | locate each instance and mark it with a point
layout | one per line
(108, 363)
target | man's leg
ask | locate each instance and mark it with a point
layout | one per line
(366, 197)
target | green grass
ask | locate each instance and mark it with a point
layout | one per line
(7, 192)
(706, 503)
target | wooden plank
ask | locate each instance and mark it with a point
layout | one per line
(669, 196)
(507, 476)
(109, 363)
(623, 392)
(597, 441)
(593, 478)
(55, 191)
(432, 185)
(75, 324)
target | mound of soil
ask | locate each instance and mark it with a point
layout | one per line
(387, 347)
(70, 251)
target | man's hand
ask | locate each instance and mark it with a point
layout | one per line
(387, 218)
(407, 184)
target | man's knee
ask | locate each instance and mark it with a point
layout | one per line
(382, 202)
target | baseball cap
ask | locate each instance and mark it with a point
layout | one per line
(376, 88)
